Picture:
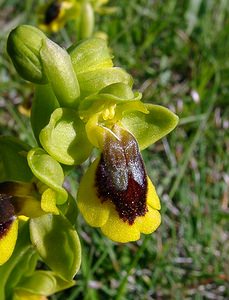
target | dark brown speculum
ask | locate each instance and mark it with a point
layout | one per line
(52, 12)
(6, 214)
(121, 176)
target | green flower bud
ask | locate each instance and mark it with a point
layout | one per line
(87, 20)
(23, 46)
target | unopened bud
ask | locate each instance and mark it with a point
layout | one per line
(23, 46)
(86, 21)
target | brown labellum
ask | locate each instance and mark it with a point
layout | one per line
(121, 176)
(6, 214)
(52, 12)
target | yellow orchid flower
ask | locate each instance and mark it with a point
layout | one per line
(56, 13)
(115, 194)
(19, 201)
(8, 228)
(53, 15)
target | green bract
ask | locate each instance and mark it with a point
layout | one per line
(56, 233)
(44, 101)
(59, 70)
(13, 166)
(48, 171)
(43, 283)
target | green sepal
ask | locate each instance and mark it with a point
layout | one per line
(64, 138)
(90, 55)
(13, 162)
(48, 171)
(121, 91)
(93, 81)
(57, 243)
(148, 128)
(23, 46)
(44, 283)
(59, 70)
(44, 103)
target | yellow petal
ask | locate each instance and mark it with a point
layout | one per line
(119, 231)
(48, 202)
(23, 218)
(8, 241)
(152, 197)
(27, 206)
(95, 213)
(150, 222)
(96, 133)
(24, 295)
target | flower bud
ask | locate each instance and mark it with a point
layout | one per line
(23, 46)
(86, 26)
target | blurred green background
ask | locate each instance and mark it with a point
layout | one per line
(178, 54)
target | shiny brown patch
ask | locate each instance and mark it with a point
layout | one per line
(121, 176)
(6, 214)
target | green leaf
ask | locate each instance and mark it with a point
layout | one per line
(57, 243)
(48, 171)
(13, 162)
(44, 103)
(93, 81)
(43, 283)
(90, 55)
(64, 138)
(148, 128)
(59, 70)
